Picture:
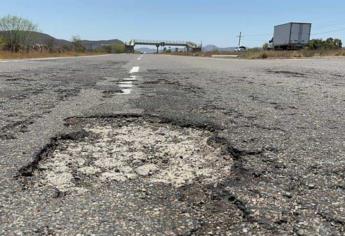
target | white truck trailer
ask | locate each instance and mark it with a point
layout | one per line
(292, 35)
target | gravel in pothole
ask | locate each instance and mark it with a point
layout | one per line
(125, 151)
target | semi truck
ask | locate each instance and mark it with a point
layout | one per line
(291, 36)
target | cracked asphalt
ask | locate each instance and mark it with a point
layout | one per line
(272, 131)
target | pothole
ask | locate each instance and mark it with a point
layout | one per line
(132, 149)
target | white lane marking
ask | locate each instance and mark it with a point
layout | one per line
(128, 84)
(141, 57)
(126, 91)
(126, 87)
(135, 69)
(132, 78)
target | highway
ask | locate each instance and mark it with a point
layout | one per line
(171, 145)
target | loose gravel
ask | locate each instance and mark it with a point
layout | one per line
(127, 150)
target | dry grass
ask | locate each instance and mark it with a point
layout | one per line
(23, 55)
(260, 54)
(201, 54)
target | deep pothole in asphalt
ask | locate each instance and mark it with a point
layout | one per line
(131, 149)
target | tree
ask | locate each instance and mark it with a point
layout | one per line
(50, 44)
(18, 32)
(337, 43)
(2, 43)
(265, 46)
(329, 43)
(315, 44)
(118, 48)
(77, 44)
(107, 49)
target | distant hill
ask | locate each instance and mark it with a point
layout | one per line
(212, 48)
(207, 48)
(146, 50)
(41, 38)
(88, 44)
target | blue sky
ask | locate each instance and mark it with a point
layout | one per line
(210, 21)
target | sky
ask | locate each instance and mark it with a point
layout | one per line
(215, 22)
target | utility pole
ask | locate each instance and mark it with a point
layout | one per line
(239, 40)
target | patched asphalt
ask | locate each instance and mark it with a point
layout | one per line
(269, 134)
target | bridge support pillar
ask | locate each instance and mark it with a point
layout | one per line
(198, 49)
(157, 48)
(129, 49)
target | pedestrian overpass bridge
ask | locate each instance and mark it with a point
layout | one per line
(190, 46)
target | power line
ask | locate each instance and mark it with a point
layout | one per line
(269, 35)
(327, 32)
(323, 32)
(329, 26)
(256, 35)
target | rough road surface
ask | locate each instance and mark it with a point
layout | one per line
(164, 145)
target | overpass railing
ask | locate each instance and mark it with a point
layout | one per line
(163, 42)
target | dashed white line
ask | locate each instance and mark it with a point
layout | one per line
(126, 91)
(125, 84)
(135, 69)
(131, 78)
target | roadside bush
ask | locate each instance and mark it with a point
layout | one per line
(307, 53)
(265, 46)
(3, 43)
(77, 44)
(264, 55)
(17, 32)
(106, 49)
(118, 48)
(66, 48)
(330, 43)
(341, 53)
(115, 48)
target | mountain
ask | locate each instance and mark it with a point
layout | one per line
(41, 38)
(146, 50)
(213, 48)
(209, 48)
(88, 44)
(45, 39)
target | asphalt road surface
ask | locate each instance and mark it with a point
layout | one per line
(165, 145)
